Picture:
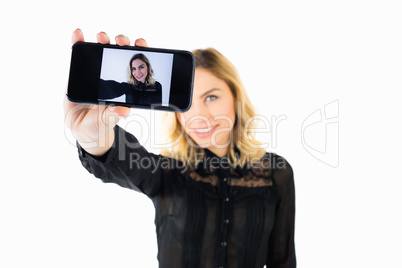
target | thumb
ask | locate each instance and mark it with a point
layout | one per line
(122, 111)
(110, 116)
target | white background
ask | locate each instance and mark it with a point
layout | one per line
(341, 60)
(115, 63)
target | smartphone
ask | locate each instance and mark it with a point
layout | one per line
(136, 77)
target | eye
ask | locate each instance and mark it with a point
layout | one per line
(133, 69)
(210, 98)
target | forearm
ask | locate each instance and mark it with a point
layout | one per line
(122, 164)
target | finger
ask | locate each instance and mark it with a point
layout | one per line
(78, 36)
(122, 40)
(103, 38)
(140, 42)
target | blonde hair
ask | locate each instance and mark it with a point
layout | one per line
(249, 149)
(148, 80)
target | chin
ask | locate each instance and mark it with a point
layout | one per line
(202, 145)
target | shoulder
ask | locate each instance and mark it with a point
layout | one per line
(278, 163)
(154, 86)
(277, 167)
(264, 171)
(281, 173)
(274, 163)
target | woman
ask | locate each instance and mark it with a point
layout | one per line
(141, 88)
(220, 199)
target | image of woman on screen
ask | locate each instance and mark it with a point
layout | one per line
(141, 87)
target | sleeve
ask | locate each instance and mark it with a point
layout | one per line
(110, 89)
(281, 245)
(128, 164)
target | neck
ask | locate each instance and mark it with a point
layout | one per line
(220, 152)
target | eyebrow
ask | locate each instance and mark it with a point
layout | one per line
(209, 91)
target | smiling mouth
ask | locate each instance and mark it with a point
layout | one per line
(139, 77)
(203, 130)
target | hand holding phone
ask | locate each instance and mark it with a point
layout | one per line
(92, 125)
(131, 76)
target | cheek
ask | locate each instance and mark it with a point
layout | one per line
(187, 117)
(226, 114)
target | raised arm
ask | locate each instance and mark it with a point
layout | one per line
(129, 165)
(92, 125)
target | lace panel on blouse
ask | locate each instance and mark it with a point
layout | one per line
(257, 174)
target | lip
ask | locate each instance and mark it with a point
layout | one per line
(139, 77)
(204, 132)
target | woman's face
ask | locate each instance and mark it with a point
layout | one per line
(210, 120)
(139, 70)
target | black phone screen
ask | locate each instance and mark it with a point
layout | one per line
(131, 76)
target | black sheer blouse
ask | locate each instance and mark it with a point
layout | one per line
(212, 215)
(135, 94)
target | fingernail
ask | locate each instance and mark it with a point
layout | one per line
(103, 33)
(122, 35)
(140, 39)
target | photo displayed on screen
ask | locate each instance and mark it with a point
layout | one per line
(135, 77)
